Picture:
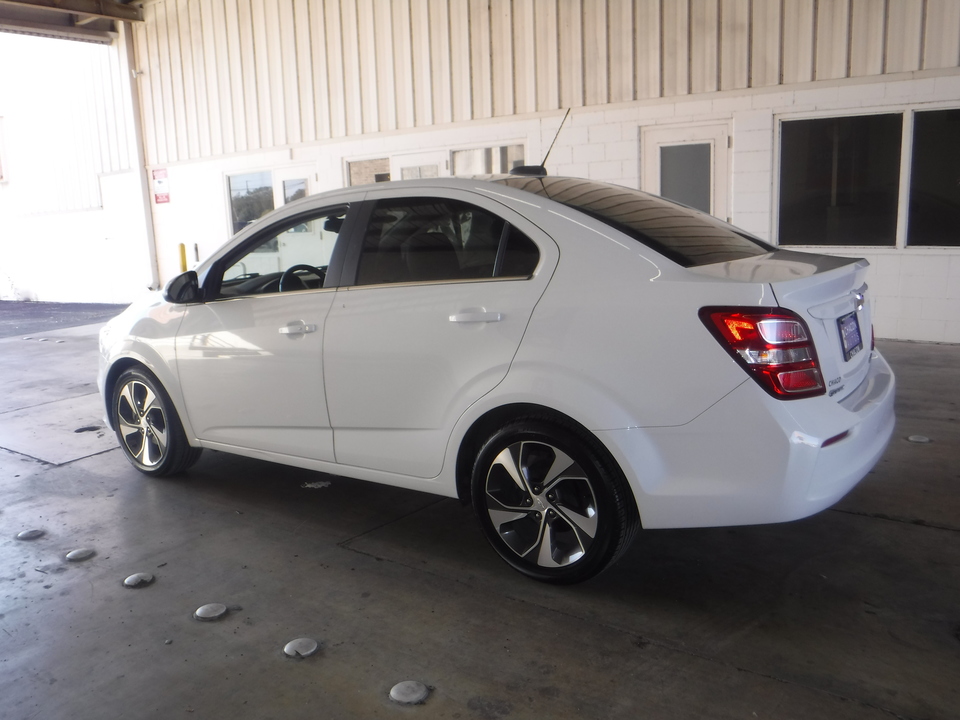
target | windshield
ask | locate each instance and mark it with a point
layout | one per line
(685, 235)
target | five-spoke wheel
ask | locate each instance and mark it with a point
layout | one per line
(147, 425)
(550, 504)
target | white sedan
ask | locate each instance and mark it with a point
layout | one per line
(576, 359)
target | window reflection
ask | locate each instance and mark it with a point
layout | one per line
(251, 197)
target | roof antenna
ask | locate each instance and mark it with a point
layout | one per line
(540, 170)
(565, 116)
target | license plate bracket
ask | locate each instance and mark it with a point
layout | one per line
(850, 338)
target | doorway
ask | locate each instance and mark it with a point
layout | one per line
(689, 165)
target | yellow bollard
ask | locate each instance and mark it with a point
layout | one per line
(183, 257)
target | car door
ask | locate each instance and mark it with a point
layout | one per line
(250, 357)
(441, 293)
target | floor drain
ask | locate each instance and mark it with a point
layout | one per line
(213, 611)
(88, 428)
(138, 580)
(80, 555)
(301, 648)
(30, 534)
(409, 692)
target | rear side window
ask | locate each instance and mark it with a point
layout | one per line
(436, 239)
(685, 235)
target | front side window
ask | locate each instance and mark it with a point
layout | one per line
(435, 239)
(840, 180)
(290, 257)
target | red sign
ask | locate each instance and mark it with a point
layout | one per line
(161, 191)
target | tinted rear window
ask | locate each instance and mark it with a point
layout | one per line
(686, 236)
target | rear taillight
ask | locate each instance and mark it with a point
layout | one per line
(773, 345)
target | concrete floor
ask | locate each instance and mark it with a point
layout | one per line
(854, 613)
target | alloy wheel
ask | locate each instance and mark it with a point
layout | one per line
(541, 504)
(142, 423)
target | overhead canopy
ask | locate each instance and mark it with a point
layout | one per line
(86, 20)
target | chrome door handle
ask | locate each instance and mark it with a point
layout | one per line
(476, 317)
(297, 329)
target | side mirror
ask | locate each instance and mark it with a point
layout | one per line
(184, 288)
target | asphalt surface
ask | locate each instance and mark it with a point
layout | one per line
(852, 613)
(23, 318)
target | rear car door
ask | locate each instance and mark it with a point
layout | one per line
(441, 290)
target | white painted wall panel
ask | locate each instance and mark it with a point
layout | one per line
(734, 37)
(832, 34)
(866, 46)
(243, 75)
(941, 47)
(904, 35)
(704, 45)
(620, 50)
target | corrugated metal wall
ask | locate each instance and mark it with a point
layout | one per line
(224, 76)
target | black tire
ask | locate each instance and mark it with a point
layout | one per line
(551, 502)
(148, 427)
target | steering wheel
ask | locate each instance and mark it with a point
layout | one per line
(290, 281)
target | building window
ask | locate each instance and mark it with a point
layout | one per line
(839, 180)
(484, 161)
(251, 197)
(934, 217)
(364, 172)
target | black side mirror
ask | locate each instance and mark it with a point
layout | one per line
(184, 288)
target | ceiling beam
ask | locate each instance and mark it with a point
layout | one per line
(100, 8)
(67, 32)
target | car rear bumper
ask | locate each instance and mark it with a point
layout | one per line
(751, 459)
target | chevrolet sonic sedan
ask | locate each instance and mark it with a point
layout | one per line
(576, 359)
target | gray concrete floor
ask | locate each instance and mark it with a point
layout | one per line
(853, 613)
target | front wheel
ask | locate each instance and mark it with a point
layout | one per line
(148, 427)
(550, 502)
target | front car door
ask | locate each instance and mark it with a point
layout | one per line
(437, 295)
(250, 357)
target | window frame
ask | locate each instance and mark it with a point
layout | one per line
(907, 113)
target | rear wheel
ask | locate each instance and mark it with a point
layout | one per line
(148, 427)
(550, 502)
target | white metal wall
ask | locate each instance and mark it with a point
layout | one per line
(224, 76)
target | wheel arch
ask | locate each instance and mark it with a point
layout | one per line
(110, 381)
(484, 426)
(124, 363)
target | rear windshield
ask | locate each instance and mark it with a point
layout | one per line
(685, 235)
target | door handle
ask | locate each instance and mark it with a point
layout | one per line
(473, 316)
(297, 328)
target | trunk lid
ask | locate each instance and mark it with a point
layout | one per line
(830, 294)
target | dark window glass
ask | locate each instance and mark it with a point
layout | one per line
(520, 256)
(432, 239)
(685, 235)
(685, 174)
(839, 180)
(935, 179)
